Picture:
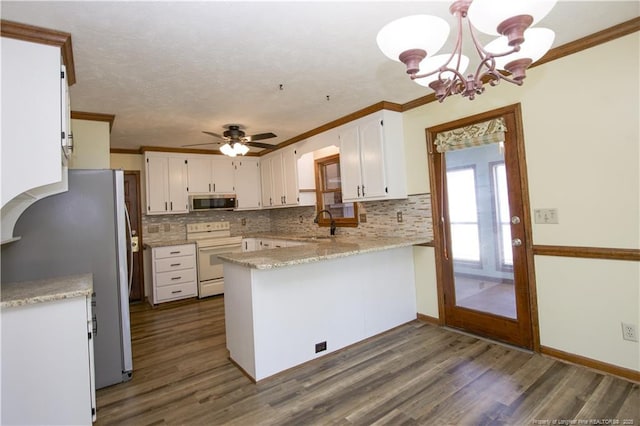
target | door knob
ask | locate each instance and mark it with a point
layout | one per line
(515, 220)
(516, 242)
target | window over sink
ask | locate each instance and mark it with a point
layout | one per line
(329, 193)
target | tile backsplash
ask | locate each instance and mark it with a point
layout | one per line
(381, 221)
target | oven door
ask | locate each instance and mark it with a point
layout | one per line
(209, 266)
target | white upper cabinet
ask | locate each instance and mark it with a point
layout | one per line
(372, 158)
(247, 183)
(166, 177)
(223, 175)
(280, 179)
(35, 135)
(32, 116)
(210, 174)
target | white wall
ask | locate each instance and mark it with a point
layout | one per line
(581, 128)
(91, 141)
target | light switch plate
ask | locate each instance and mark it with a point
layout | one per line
(545, 216)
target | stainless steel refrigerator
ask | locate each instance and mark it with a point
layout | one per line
(79, 231)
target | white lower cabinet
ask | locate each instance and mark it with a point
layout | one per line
(250, 244)
(47, 363)
(171, 273)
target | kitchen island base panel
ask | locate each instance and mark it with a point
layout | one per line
(275, 317)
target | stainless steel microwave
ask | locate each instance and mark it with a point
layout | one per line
(212, 202)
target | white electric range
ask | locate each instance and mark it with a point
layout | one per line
(212, 239)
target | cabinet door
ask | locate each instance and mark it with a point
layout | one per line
(290, 178)
(350, 164)
(157, 185)
(46, 363)
(247, 183)
(223, 181)
(199, 174)
(372, 159)
(178, 185)
(267, 183)
(278, 179)
(31, 154)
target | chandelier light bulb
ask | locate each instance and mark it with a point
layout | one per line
(537, 42)
(414, 38)
(488, 15)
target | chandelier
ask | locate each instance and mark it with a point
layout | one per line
(237, 148)
(414, 41)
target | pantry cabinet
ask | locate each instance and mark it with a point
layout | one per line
(171, 273)
(166, 178)
(246, 173)
(372, 158)
(210, 174)
(280, 179)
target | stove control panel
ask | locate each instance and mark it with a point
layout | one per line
(207, 226)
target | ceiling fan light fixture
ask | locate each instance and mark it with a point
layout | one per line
(226, 149)
(240, 148)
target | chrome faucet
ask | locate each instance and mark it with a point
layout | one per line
(333, 222)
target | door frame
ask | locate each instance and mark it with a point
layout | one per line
(513, 117)
(139, 254)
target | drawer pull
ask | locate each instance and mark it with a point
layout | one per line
(176, 264)
(176, 291)
(175, 252)
(175, 278)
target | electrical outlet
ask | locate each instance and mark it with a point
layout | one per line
(363, 218)
(167, 227)
(301, 219)
(243, 221)
(322, 346)
(545, 216)
(399, 216)
(629, 332)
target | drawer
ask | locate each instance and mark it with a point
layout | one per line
(175, 277)
(175, 263)
(176, 291)
(173, 251)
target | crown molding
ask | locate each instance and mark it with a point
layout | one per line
(94, 116)
(41, 35)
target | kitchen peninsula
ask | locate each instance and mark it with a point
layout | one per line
(286, 306)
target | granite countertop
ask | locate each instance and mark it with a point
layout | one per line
(40, 291)
(156, 244)
(322, 249)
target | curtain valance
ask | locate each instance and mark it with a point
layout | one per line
(484, 133)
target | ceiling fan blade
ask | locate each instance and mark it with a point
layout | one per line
(198, 144)
(261, 136)
(260, 145)
(214, 135)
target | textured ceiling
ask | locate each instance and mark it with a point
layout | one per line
(169, 70)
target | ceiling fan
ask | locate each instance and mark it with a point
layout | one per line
(234, 136)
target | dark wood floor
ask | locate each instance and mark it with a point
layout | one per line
(415, 374)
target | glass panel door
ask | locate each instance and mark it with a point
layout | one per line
(479, 223)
